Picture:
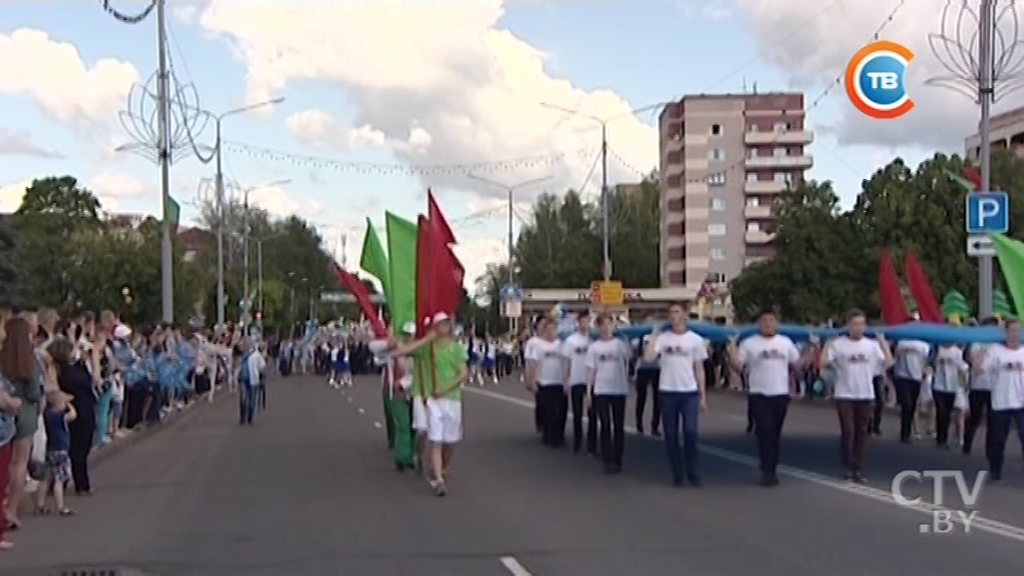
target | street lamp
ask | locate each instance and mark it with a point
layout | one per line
(606, 243)
(246, 303)
(510, 190)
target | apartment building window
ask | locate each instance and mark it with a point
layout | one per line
(784, 177)
(781, 152)
(716, 129)
(716, 154)
(783, 126)
(752, 177)
(753, 227)
(717, 254)
(717, 179)
(716, 277)
(716, 229)
(718, 205)
(751, 153)
(751, 127)
(753, 201)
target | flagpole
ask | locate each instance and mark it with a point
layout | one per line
(985, 95)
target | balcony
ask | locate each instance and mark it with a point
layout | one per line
(764, 187)
(796, 137)
(758, 212)
(782, 162)
(759, 237)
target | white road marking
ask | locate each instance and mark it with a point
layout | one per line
(350, 400)
(377, 424)
(361, 411)
(979, 522)
(513, 566)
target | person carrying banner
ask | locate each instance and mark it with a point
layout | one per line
(398, 380)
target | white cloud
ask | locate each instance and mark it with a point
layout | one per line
(467, 91)
(476, 254)
(277, 201)
(12, 194)
(111, 184)
(64, 87)
(20, 143)
(820, 50)
(319, 128)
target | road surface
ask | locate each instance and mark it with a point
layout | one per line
(309, 490)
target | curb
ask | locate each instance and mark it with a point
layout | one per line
(102, 453)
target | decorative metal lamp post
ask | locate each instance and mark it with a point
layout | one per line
(983, 52)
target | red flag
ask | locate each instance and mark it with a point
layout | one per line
(927, 305)
(438, 275)
(894, 308)
(972, 175)
(434, 215)
(444, 233)
(362, 295)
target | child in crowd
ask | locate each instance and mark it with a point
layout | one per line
(58, 413)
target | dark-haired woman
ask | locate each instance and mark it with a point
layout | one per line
(18, 366)
(74, 378)
(9, 407)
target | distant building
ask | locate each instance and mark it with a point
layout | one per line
(1007, 133)
(194, 240)
(724, 160)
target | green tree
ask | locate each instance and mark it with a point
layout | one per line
(10, 289)
(53, 213)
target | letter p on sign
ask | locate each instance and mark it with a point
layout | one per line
(988, 213)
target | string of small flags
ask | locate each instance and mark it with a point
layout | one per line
(526, 162)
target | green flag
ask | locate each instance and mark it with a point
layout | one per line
(960, 180)
(173, 212)
(402, 236)
(1011, 260)
(374, 261)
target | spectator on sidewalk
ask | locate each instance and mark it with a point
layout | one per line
(9, 408)
(18, 366)
(58, 464)
(74, 378)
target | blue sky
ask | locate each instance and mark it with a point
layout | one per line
(605, 48)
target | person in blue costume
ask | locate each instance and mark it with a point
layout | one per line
(250, 375)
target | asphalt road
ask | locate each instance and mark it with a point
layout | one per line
(309, 490)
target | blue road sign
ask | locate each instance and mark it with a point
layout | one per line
(988, 213)
(511, 292)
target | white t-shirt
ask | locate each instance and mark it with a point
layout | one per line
(854, 362)
(767, 361)
(1007, 368)
(911, 359)
(609, 359)
(984, 379)
(680, 355)
(547, 356)
(949, 369)
(574, 349)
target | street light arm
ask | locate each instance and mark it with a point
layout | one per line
(250, 107)
(573, 112)
(506, 186)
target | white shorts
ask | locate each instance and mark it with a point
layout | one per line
(444, 417)
(419, 415)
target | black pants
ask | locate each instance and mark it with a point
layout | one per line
(82, 432)
(769, 413)
(538, 412)
(876, 417)
(579, 394)
(943, 415)
(980, 402)
(262, 389)
(611, 415)
(554, 408)
(908, 392)
(647, 379)
(1000, 422)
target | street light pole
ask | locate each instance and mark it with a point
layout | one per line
(246, 299)
(986, 91)
(218, 151)
(606, 213)
(164, 153)
(259, 275)
(605, 204)
(510, 192)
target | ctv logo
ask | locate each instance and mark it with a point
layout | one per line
(944, 517)
(876, 80)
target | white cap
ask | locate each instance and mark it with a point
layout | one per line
(121, 332)
(409, 328)
(440, 317)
